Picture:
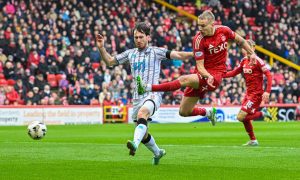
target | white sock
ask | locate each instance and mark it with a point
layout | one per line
(148, 87)
(152, 146)
(208, 112)
(139, 133)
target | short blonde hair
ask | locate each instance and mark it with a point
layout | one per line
(208, 15)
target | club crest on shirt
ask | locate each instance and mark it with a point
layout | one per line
(223, 38)
(199, 54)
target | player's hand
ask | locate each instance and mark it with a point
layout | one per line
(265, 97)
(210, 81)
(100, 41)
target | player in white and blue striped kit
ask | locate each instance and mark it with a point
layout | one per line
(144, 62)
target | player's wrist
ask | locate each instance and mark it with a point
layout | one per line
(209, 76)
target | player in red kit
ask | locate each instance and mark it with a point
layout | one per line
(210, 52)
(253, 71)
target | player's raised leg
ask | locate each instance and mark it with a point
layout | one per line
(191, 80)
(188, 108)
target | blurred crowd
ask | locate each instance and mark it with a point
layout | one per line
(48, 54)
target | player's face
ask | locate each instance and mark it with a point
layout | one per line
(205, 27)
(141, 39)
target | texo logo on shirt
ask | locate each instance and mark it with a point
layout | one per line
(219, 48)
(247, 71)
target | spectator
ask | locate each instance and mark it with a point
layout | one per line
(58, 33)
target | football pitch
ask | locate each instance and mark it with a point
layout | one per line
(194, 151)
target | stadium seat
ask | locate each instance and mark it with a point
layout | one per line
(11, 82)
(256, 28)
(226, 11)
(94, 102)
(95, 65)
(2, 76)
(251, 21)
(189, 9)
(21, 102)
(51, 78)
(58, 77)
(180, 8)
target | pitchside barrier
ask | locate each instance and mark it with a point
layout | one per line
(60, 115)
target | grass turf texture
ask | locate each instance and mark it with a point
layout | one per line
(194, 151)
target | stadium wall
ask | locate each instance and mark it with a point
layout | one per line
(58, 115)
(61, 115)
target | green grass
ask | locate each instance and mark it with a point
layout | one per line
(194, 151)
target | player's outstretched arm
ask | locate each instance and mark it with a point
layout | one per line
(181, 55)
(234, 72)
(266, 94)
(243, 44)
(107, 58)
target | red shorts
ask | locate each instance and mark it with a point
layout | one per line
(251, 103)
(203, 86)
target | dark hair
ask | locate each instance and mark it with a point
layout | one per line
(142, 27)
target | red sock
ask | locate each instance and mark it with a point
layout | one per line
(169, 86)
(254, 116)
(249, 128)
(198, 111)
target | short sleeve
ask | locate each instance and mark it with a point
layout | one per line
(228, 32)
(199, 54)
(261, 64)
(161, 53)
(198, 49)
(123, 57)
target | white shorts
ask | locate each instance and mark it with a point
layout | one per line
(151, 102)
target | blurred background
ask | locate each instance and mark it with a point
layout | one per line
(48, 54)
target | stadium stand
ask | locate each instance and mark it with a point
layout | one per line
(48, 53)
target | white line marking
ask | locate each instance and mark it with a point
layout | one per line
(163, 145)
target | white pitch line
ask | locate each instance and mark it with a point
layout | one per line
(163, 145)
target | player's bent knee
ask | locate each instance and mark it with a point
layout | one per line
(142, 112)
(183, 80)
(142, 121)
(240, 117)
(183, 113)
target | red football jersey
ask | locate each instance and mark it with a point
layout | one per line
(213, 49)
(253, 75)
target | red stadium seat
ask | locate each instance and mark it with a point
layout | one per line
(226, 11)
(94, 102)
(53, 83)
(3, 82)
(256, 28)
(191, 10)
(2, 76)
(11, 82)
(21, 102)
(51, 78)
(180, 8)
(58, 77)
(95, 65)
(251, 21)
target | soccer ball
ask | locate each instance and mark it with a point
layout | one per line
(37, 130)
